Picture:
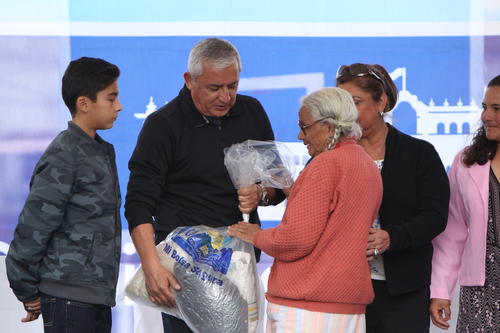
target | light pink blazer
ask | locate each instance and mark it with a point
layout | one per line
(460, 251)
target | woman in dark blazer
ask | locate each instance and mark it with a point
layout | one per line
(414, 207)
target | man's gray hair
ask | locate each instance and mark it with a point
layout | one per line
(335, 106)
(218, 52)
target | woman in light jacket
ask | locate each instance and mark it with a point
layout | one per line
(469, 248)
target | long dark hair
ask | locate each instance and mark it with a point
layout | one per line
(481, 150)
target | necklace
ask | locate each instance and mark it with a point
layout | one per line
(375, 146)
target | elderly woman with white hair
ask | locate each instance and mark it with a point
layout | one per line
(320, 279)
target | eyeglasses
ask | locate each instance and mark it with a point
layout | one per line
(358, 70)
(303, 127)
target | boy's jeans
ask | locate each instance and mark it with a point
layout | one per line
(63, 315)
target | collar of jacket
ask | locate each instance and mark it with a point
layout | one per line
(75, 129)
(392, 136)
(391, 142)
(195, 118)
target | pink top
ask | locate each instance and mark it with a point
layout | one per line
(319, 247)
(460, 251)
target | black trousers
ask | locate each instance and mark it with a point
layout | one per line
(173, 324)
(404, 313)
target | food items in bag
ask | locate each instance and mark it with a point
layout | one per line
(217, 273)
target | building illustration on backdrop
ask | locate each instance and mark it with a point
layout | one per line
(448, 125)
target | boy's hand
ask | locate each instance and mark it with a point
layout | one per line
(158, 283)
(33, 310)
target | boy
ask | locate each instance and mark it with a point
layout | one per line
(63, 261)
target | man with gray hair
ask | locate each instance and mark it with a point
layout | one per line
(177, 172)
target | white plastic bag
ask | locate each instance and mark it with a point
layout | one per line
(268, 162)
(221, 289)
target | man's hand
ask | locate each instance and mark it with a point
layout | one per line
(158, 283)
(378, 242)
(33, 310)
(244, 231)
(440, 312)
(249, 198)
(287, 191)
(158, 279)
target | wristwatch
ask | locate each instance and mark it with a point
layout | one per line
(264, 196)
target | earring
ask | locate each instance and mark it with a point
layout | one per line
(381, 113)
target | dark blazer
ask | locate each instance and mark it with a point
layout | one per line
(414, 209)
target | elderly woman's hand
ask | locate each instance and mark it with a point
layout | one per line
(244, 231)
(378, 242)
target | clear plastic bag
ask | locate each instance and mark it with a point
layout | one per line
(221, 290)
(268, 162)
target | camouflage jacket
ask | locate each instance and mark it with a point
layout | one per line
(67, 242)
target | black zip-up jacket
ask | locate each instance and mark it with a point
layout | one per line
(177, 171)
